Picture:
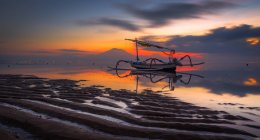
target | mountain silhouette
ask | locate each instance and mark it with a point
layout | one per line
(116, 54)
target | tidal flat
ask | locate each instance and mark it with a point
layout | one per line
(40, 108)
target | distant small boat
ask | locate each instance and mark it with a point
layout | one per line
(154, 63)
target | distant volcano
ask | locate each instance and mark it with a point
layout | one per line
(116, 54)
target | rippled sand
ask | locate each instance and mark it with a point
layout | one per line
(38, 108)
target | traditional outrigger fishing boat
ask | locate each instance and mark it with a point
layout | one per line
(155, 63)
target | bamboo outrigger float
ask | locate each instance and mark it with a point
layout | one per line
(154, 63)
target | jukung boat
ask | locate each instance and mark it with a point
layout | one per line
(155, 63)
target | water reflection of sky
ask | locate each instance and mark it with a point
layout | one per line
(229, 90)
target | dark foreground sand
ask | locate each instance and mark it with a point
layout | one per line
(37, 108)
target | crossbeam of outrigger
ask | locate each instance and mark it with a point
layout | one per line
(155, 63)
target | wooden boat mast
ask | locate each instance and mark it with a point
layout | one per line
(136, 47)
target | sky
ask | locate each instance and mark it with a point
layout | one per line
(208, 27)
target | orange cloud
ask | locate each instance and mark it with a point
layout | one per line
(250, 82)
(253, 41)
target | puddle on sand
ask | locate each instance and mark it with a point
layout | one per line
(104, 107)
(32, 86)
(119, 103)
(56, 92)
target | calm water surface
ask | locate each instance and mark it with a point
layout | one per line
(236, 91)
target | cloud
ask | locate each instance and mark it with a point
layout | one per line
(164, 13)
(123, 24)
(220, 40)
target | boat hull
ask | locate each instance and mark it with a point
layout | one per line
(154, 73)
(154, 66)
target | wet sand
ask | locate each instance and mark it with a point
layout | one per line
(39, 108)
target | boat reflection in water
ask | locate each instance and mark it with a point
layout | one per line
(171, 77)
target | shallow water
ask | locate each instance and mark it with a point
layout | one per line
(236, 91)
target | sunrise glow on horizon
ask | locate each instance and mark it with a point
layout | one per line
(79, 26)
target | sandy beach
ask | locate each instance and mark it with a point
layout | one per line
(40, 108)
